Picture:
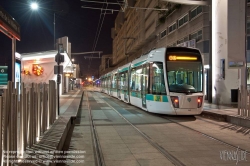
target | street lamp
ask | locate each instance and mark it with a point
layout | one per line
(35, 6)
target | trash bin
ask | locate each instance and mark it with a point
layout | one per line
(234, 95)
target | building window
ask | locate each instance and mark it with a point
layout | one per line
(197, 36)
(183, 20)
(172, 28)
(163, 33)
(182, 40)
(195, 12)
(248, 25)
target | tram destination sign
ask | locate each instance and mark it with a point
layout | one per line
(8, 25)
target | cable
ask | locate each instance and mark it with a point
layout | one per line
(97, 35)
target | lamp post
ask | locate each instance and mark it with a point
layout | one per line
(35, 6)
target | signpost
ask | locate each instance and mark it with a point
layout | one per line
(59, 58)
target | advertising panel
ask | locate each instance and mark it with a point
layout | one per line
(18, 75)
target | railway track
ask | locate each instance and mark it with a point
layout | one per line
(99, 160)
(155, 144)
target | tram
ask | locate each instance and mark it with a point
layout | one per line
(166, 81)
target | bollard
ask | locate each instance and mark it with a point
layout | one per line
(247, 103)
(38, 111)
(5, 112)
(44, 109)
(35, 114)
(54, 101)
(239, 101)
(29, 119)
(1, 117)
(25, 123)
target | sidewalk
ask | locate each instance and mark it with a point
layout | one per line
(225, 113)
(52, 141)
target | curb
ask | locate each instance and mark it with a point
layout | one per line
(236, 120)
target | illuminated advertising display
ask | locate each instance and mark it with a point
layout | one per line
(18, 75)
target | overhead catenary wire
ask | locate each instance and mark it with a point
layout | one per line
(125, 4)
(98, 33)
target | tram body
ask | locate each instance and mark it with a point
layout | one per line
(165, 81)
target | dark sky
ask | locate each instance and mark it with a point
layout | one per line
(80, 25)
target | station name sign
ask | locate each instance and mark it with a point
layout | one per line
(8, 25)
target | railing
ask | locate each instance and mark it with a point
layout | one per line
(24, 117)
(243, 102)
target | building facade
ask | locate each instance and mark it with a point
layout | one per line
(210, 28)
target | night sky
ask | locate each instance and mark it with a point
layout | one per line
(80, 25)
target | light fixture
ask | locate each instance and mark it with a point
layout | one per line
(37, 69)
(34, 6)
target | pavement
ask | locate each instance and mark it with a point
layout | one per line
(54, 138)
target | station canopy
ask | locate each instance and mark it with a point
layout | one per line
(8, 25)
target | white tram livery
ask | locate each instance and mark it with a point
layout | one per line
(165, 81)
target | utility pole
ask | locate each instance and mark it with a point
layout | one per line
(59, 70)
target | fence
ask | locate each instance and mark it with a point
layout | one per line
(243, 102)
(24, 117)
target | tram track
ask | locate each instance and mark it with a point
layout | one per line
(163, 151)
(206, 135)
(99, 160)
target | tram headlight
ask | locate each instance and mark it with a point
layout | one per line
(175, 101)
(199, 101)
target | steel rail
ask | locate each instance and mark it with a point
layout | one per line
(165, 153)
(98, 153)
(206, 135)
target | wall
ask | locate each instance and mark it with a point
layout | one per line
(48, 73)
(223, 29)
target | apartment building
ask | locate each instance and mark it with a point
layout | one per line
(140, 29)
(137, 30)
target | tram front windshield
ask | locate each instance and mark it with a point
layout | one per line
(185, 76)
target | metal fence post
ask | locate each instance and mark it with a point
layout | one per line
(1, 117)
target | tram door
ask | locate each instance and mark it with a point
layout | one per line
(125, 88)
(144, 84)
(119, 85)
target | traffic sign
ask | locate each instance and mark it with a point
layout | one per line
(58, 69)
(3, 76)
(58, 79)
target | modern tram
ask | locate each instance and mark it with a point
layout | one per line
(165, 81)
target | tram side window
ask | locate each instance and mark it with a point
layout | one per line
(108, 81)
(124, 80)
(119, 82)
(158, 83)
(135, 81)
(114, 81)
